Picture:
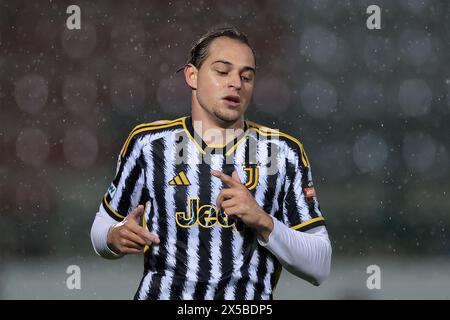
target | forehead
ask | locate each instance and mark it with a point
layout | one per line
(231, 50)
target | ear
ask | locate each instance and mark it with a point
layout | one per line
(190, 75)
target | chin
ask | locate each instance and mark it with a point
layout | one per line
(228, 117)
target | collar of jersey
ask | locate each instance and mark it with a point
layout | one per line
(226, 149)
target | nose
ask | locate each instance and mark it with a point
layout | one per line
(235, 81)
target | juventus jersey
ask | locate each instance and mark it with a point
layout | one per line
(202, 253)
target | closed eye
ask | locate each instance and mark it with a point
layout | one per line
(246, 79)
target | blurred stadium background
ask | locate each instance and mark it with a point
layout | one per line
(372, 108)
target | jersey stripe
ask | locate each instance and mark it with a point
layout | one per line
(181, 243)
(217, 246)
(132, 188)
(229, 284)
(260, 256)
(169, 196)
(159, 189)
(266, 263)
(204, 272)
(193, 174)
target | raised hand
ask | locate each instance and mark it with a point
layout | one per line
(129, 236)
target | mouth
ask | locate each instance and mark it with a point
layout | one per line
(232, 100)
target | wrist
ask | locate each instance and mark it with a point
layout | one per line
(265, 227)
(109, 242)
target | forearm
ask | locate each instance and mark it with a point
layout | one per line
(265, 227)
(305, 254)
(99, 234)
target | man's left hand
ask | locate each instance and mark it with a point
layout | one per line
(237, 201)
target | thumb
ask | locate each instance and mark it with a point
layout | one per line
(137, 213)
(235, 176)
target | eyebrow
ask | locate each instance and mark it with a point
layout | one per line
(245, 68)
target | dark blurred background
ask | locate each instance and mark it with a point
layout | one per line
(372, 108)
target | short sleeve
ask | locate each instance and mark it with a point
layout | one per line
(127, 189)
(301, 210)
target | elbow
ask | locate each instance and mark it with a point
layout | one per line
(320, 278)
(324, 271)
(93, 237)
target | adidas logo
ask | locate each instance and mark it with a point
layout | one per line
(180, 180)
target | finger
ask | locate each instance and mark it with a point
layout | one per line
(235, 176)
(136, 238)
(148, 236)
(128, 244)
(137, 213)
(227, 204)
(224, 194)
(225, 178)
(233, 211)
(143, 233)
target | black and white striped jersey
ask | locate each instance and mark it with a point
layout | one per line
(166, 167)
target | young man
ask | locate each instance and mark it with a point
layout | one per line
(225, 202)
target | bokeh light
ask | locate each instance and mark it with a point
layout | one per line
(318, 44)
(419, 151)
(415, 46)
(370, 153)
(80, 146)
(415, 97)
(79, 43)
(32, 146)
(319, 98)
(31, 93)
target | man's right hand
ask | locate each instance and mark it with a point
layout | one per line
(128, 236)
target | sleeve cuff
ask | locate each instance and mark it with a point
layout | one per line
(99, 233)
(272, 235)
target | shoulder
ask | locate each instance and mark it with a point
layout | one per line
(290, 140)
(158, 125)
(151, 129)
(289, 144)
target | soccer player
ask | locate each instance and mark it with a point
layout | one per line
(216, 204)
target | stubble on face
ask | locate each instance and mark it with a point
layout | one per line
(214, 86)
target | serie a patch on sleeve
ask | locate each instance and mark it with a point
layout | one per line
(112, 190)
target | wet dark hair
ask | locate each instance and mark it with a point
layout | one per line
(199, 50)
